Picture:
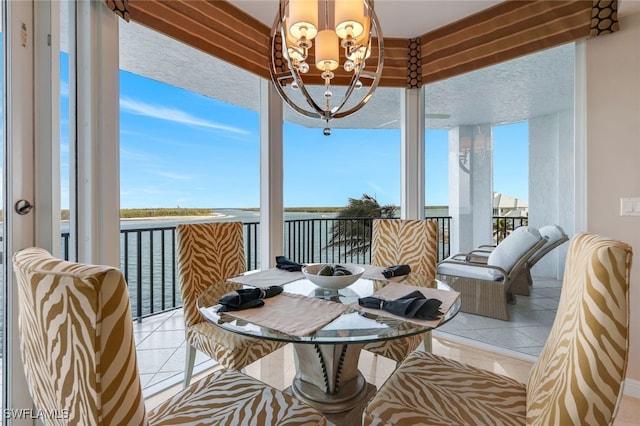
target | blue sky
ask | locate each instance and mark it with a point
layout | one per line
(180, 148)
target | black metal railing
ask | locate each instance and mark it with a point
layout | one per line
(148, 263)
(504, 225)
(148, 255)
(313, 240)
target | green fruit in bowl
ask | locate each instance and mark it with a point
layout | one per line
(326, 270)
(338, 273)
(342, 269)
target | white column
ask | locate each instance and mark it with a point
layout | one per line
(412, 154)
(271, 175)
(470, 186)
(271, 200)
(551, 182)
(96, 153)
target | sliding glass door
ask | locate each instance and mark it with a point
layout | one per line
(31, 167)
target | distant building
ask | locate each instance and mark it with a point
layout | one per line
(503, 205)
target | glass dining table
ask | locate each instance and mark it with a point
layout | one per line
(327, 328)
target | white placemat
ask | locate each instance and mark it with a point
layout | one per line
(292, 313)
(266, 278)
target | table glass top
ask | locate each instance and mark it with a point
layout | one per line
(348, 325)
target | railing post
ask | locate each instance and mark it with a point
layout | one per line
(163, 275)
(173, 263)
(151, 272)
(139, 275)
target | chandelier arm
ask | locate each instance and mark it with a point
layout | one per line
(278, 78)
(368, 74)
(281, 76)
(307, 96)
(374, 84)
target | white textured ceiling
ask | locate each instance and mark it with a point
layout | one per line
(509, 92)
(398, 18)
(513, 91)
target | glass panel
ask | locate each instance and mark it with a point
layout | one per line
(353, 172)
(510, 163)
(510, 178)
(436, 172)
(64, 129)
(189, 151)
(2, 302)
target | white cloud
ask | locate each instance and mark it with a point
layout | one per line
(175, 176)
(172, 114)
(64, 89)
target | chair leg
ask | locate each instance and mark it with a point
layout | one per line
(427, 342)
(189, 362)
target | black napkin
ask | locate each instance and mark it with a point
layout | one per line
(246, 298)
(413, 305)
(286, 264)
(396, 271)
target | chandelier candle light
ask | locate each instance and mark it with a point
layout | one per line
(316, 32)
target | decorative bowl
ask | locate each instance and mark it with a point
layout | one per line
(332, 282)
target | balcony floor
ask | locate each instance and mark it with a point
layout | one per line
(161, 353)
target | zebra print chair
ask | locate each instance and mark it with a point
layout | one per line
(577, 379)
(207, 254)
(406, 242)
(79, 357)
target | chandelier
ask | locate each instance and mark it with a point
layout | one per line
(318, 54)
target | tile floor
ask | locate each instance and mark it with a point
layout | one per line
(527, 330)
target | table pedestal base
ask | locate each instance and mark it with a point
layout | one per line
(350, 417)
(327, 378)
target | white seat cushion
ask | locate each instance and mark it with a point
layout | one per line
(512, 248)
(554, 233)
(469, 270)
(504, 256)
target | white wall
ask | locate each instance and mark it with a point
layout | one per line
(613, 146)
(551, 184)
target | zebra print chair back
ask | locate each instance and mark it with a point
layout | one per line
(585, 357)
(406, 242)
(207, 253)
(77, 340)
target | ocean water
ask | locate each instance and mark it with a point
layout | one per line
(245, 216)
